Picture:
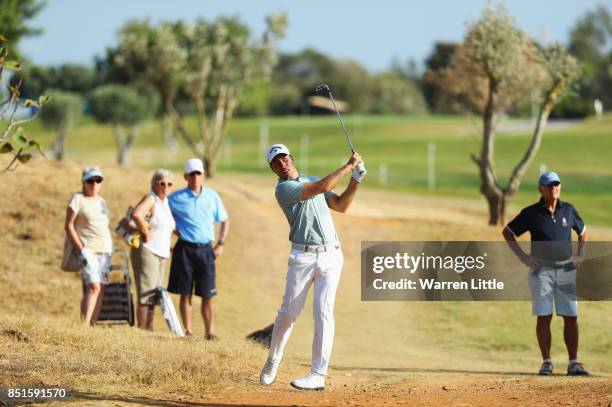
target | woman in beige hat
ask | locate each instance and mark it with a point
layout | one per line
(87, 219)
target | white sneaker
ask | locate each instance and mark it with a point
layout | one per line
(312, 381)
(268, 373)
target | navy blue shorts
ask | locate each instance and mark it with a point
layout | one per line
(193, 265)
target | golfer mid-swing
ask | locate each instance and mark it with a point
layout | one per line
(315, 258)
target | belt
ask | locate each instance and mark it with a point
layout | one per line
(558, 263)
(565, 265)
(191, 244)
(315, 248)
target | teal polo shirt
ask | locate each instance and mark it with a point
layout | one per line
(195, 216)
(310, 220)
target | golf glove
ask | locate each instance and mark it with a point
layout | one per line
(359, 172)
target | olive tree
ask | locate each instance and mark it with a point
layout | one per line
(152, 53)
(14, 16)
(60, 115)
(222, 59)
(211, 63)
(496, 67)
(125, 109)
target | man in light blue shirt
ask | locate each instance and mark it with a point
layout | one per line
(315, 259)
(196, 209)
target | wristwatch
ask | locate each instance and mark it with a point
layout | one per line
(220, 242)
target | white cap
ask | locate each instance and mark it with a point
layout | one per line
(277, 149)
(194, 164)
(90, 172)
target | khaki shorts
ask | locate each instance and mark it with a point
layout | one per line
(148, 274)
(559, 284)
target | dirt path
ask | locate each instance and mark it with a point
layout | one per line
(453, 390)
(367, 388)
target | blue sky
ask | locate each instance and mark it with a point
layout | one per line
(372, 32)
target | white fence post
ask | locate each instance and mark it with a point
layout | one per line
(598, 106)
(227, 153)
(383, 174)
(264, 143)
(431, 165)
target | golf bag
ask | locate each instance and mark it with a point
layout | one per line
(262, 336)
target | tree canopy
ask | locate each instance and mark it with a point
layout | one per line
(13, 21)
(118, 104)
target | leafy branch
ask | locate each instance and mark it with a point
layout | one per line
(14, 111)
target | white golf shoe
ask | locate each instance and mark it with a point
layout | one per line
(268, 373)
(312, 381)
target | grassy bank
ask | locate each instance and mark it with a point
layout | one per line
(579, 153)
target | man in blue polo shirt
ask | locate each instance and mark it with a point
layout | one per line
(196, 209)
(552, 266)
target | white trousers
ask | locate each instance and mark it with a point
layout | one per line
(305, 268)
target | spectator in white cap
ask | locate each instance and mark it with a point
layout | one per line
(196, 209)
(87, 219)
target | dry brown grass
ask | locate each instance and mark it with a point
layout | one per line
(60, 352)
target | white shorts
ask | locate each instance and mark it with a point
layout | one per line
(550, 283)
(97, 268)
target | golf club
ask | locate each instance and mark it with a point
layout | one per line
(325, 88)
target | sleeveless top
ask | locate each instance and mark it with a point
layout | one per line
(162, 226)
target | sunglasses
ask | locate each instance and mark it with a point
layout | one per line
(92, 181)
(191, 174)
(554, 184)
(165, 184)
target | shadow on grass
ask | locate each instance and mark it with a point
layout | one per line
(145, 401)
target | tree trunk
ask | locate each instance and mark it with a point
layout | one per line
(210, 166)
(550, 100)
(168, 135)
(58, 145)
(230, 106)
(178, 126)
(121, 142)
(488, 180)
(497, 197)
(221, 122)
(126, 151)
(202, 121)
(125, 144)
(497, 201)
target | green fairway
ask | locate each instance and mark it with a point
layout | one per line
(580, 153)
